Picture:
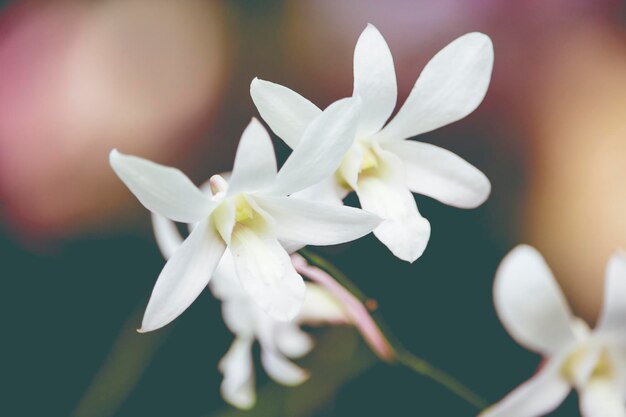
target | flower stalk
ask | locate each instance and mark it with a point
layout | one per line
(374, 330)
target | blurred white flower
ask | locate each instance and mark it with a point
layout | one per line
(279, 340)
(250, 215)
(381, 166)
(535, 312)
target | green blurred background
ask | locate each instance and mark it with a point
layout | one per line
(169, 81)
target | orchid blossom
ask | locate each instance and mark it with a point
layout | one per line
(535, 312)
(250, 215)
(279, 340)
(381, 166)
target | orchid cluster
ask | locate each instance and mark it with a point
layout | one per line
(245, 227)
(244, 224)
(279, 340)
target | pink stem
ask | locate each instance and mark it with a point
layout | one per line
(355, 309)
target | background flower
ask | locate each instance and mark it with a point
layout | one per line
(535, 312)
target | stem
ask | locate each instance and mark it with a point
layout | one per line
(401, 354)
(119, 374)
(452, 384)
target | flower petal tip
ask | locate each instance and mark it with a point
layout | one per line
(484, 194)
(370, 27)
(620, 253)
(479, 36)
(257, 83)
(412, 257)
(305, 377)
(113, 155)
(147, 328)
(117, 159)
(483, 38)
(240, 403)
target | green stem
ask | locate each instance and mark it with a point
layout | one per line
(402, 355)
(424, 368)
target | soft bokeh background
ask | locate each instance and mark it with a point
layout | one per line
(169, 81)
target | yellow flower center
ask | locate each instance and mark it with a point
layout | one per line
(369, 160)
(603, 368)
(360, 161)
(244, 216)
(243, 211)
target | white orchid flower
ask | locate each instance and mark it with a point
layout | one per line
(535, 312)
(278, 340)
(250, 215)
(381, 166)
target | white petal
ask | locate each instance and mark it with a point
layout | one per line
(266, 273)
(255, 162)
(286, 112)
(291, 246)
(326, 191)
(617, 357)
(374, 80)
(581, 363)
(536, 397)
(167, 236)
(161, 189)
(440, 174)
(238, 384)
(316, 223)
(184, 276)
(320, 306)
(282, 370)
(530, 303)
(225, 283)
(601, 398)
(404, 231)
(224, 219)
(322, 147)
(613, 316)
(291, 341)
(238, 314)
(449, 88)
(351, 166)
